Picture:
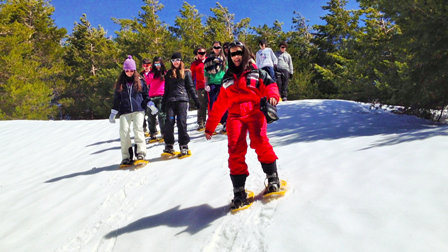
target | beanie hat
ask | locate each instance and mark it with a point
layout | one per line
(176, 55)
(129, 64)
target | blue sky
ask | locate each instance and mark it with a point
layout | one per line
(100, 12)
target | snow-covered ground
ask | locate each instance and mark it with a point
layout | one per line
(359, 180)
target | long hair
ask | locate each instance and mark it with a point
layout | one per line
(172, 73)
(245, 62)
(221, 54)
(158, 74)
(121, 82)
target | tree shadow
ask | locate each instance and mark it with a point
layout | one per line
(194, 219)
(335, 119)
(92, 171)
(104, 142)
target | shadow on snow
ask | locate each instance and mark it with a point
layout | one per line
(194, 219)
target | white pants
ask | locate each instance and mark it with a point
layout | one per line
(125, 133)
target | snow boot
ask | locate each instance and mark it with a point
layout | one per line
(184, 150)
(224, 130)
(140, 156)
(169, 149)
(127, 161)
(273, 184)
(239, 199)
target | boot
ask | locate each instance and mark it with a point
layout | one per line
(184, 150)
(169, 149)
(126, 161)
(240, 198)
(140, 156)
(273, 183)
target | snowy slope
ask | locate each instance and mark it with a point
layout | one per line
(359, 180)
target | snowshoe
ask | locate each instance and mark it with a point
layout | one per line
(169, 151)
(275, 186)
(184, 151)
(125, 163)
(224, 130)
(201, 128)
(243, 199)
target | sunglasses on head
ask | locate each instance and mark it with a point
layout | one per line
(156, 64)
(146, 65)
(237, 53)
(176, 60)
(201, 53)
(129, 71)
(236, 43)
(216, 47)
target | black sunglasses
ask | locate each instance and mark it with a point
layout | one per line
(236, 43)
(216, 47)
(201, 53)
(237, 53)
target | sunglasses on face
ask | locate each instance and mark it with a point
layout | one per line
(146, 65)
(282, 47)
(156, 64)
(129, 71)
(216, 47)
(176, 60)
(237, 53)
(201, 53)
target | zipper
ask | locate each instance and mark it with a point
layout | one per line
(130, 97)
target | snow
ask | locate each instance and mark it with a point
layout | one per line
(359, 179)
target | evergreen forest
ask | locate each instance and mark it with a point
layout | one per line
(386, 52)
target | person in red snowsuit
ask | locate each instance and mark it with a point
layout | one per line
(242, 88)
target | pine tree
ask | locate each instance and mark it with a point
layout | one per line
(423, 35)
(31, 60)
(91, 58)
(189, 30)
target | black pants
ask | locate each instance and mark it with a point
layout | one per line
(176, 112)
(282, 82)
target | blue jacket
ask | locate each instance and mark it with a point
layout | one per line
(130, 100)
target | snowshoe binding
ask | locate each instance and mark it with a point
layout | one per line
(243, 199)
(275, 186)
(184, 151)
(140, 162)
(169, 151)
(125, 163)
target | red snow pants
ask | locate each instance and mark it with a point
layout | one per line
(237, 128)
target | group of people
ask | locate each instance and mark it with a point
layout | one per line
(228, 85)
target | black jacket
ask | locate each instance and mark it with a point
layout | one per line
(176, 89)
(126, 102)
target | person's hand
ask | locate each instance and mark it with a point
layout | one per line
(197, 104)
(273, 101)
(208, 136)
(153, 108)
(113, 113)
(207, 88)
(290, 76)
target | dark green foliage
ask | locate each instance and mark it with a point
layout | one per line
(30, 58)
(387, 51)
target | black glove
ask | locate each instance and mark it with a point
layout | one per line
(197, 104)
(290, 76)
(163, 108)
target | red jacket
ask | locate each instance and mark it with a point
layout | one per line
(197, 73)
(241, 96)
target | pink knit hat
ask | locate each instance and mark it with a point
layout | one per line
(129, 64)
